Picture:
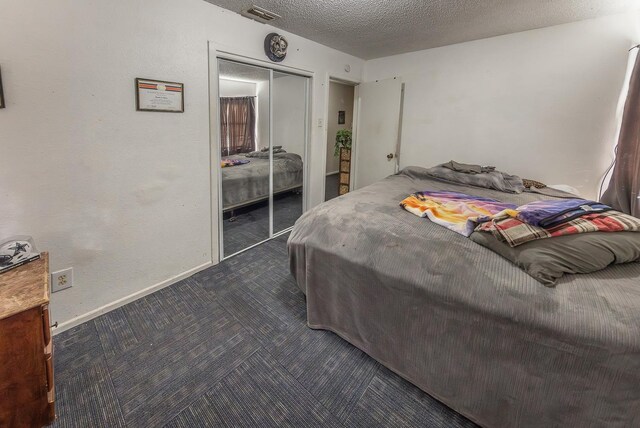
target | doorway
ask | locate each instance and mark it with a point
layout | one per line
(340, 117)
(262, 141)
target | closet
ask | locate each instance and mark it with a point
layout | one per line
(262, 141)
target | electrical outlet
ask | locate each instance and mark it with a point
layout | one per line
(61, 279)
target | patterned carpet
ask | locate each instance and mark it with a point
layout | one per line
(228, 346)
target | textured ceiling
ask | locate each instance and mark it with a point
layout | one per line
(372, 29)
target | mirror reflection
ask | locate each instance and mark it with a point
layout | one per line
(263, 133)
(244, 154)
(289, 93)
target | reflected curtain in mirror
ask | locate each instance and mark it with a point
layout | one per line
(237, 125)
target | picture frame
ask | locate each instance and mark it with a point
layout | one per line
(341, 117)
(159, 96)
(2, 104)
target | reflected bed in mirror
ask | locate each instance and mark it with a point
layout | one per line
(248, 183)
(245, 193)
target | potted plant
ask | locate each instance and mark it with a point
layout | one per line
(343, 148)
(343, 141)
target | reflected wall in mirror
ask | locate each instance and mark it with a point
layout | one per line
(263, 134)
(244, 131)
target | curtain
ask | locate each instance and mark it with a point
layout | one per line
(623, 192)
(237, 125)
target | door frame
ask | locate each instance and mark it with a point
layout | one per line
(215, 191)
(325, 132)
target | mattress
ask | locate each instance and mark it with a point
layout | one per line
(249, 183)
(461, 322)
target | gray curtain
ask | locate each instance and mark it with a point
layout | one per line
(237, 125)
(623, 192)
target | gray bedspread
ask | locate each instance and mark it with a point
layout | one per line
(249, 183)
(464, 324)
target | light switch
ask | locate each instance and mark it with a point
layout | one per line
(320, 123)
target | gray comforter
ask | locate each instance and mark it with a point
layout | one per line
(249, 183)
(464, 324)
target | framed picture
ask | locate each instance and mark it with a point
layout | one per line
(157, 95)
(341, 117)
(1, 92)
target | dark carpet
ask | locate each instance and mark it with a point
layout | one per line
(247, 226)
(229, 347)
(331, 186)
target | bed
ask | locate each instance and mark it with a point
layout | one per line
(247, 184)
(461, 322)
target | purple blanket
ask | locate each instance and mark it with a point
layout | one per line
(550, 213)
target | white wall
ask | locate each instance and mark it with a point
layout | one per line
(540, 104)
(121, 196)
(340, 98)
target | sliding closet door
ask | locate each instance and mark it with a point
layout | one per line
(244, 150)
(263, 136)
(289, 134)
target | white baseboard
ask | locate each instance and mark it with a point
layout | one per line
(332, 173)
(127, 299)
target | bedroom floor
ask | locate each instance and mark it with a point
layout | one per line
(228, 346)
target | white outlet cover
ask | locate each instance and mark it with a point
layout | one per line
(61, 280)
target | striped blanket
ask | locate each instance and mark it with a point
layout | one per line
(515, 232)
(458, 212)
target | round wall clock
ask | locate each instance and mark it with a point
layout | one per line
(275, 46)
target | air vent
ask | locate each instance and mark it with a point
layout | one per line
(259, 14)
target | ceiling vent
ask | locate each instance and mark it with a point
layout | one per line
(259, 14)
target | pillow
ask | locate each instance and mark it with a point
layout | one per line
(549, 259)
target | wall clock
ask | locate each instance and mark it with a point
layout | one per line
(275, 47)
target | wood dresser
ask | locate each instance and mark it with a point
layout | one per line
(26, 364)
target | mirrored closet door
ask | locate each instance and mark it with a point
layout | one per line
(262, 143)
(289, 101)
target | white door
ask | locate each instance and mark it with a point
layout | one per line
(377, 136)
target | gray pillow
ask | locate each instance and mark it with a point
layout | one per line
(549, 259)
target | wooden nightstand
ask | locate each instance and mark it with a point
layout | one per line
(26, 348)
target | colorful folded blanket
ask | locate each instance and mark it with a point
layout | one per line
(515, 232)
(225, 163)
(455, 211)
(549, 213)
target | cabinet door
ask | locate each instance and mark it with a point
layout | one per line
(23, 374)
